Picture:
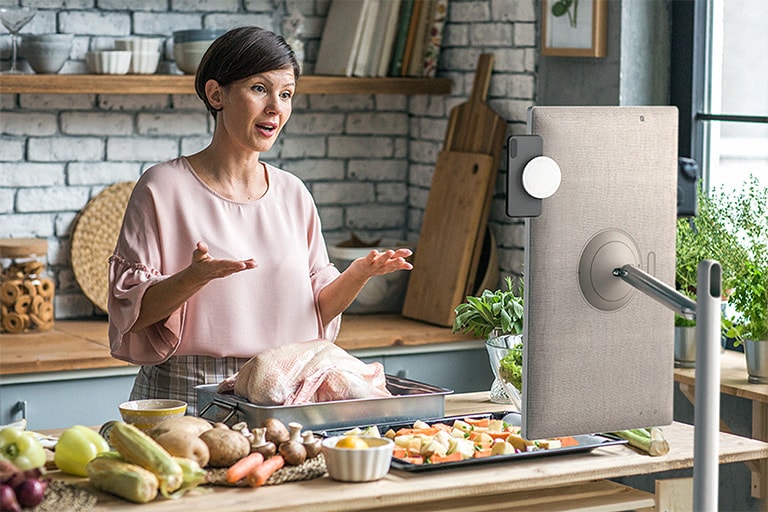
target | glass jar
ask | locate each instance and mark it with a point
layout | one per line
(26, 291)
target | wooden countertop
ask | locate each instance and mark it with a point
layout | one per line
(440, 489)
(733, 378)
(81, 345)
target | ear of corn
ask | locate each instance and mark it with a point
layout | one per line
(138, 448)
(123, 479)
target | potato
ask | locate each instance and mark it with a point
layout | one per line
(184, 444)
(225, 446)
(192, 425)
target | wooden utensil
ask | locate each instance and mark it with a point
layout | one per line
(455, 208)
(473, 126)
(456, 215)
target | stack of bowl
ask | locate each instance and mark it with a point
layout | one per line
(145, 53)
(108, 62)
(46, 53)
(190, 45)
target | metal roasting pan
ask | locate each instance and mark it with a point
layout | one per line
(410, 400)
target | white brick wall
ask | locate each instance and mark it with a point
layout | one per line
(367, 159)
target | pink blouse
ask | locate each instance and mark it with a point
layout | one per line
(169, 211)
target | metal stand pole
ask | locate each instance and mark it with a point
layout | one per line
(706, 447)
(706, 419)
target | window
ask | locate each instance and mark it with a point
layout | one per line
(730, 91)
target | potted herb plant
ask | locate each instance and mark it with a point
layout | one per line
(708, 235)
(497, 317)
(747, 212)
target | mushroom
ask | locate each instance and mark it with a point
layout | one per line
(293, 450)
(276, 431)
(260, 443)
(242, 427)
(311, 444)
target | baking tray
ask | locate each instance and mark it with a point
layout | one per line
(586, 443)
(410, 401)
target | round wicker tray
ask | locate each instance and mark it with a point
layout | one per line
(94, 237)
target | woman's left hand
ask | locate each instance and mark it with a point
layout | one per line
(378, 263)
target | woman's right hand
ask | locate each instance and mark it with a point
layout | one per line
(207, 268)
(168, 295)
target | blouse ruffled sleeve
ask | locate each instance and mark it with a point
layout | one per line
(132, 269)
(153, 344)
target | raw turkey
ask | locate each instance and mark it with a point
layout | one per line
(307, 372)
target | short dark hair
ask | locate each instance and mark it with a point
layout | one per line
(240, 53)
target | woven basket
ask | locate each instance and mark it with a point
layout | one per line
(94, 237)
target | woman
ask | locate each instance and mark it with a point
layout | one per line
(221, 255)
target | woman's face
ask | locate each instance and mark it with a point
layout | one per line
(255, 109)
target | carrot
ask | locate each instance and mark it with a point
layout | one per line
(482, 452)
(263, 471)
(399, 452)
(436, 459)
(241, 468)
(568, 441)
(415, 459)
(417, 431)
(478, 422)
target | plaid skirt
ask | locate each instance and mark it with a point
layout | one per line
(177, 377)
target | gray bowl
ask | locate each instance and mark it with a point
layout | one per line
(46, 53)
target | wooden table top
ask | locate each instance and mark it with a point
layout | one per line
(733, 378)
(413, 491)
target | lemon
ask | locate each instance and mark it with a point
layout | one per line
(352, 443)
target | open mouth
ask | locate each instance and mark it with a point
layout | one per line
(267, 129)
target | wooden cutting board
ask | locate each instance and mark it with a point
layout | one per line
(455, 219)
(449, 234)
(473, 126)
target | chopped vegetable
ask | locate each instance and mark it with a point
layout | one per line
(21, 448)
(650, 440)
(76, 447)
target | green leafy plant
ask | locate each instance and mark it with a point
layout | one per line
(747, 213)
(500, 311)
(708, 235)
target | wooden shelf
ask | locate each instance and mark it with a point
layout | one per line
(184, 84)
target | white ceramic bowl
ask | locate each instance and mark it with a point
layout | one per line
(108, 62)
(188, 55)
(144, 414)
(46, 53)
(349, 465)
(144, 63)
(139, 44)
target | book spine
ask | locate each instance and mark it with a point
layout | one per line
(435, 39)
(406, 10)
(413, 26)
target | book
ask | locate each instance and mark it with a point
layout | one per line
(364, 49)
(411, 38)
(403, 23)
(434, 38)
(341, 37)
(416, 62)
(378, 41)
(388, 38)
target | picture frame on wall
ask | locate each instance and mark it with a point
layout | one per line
(574, 28)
